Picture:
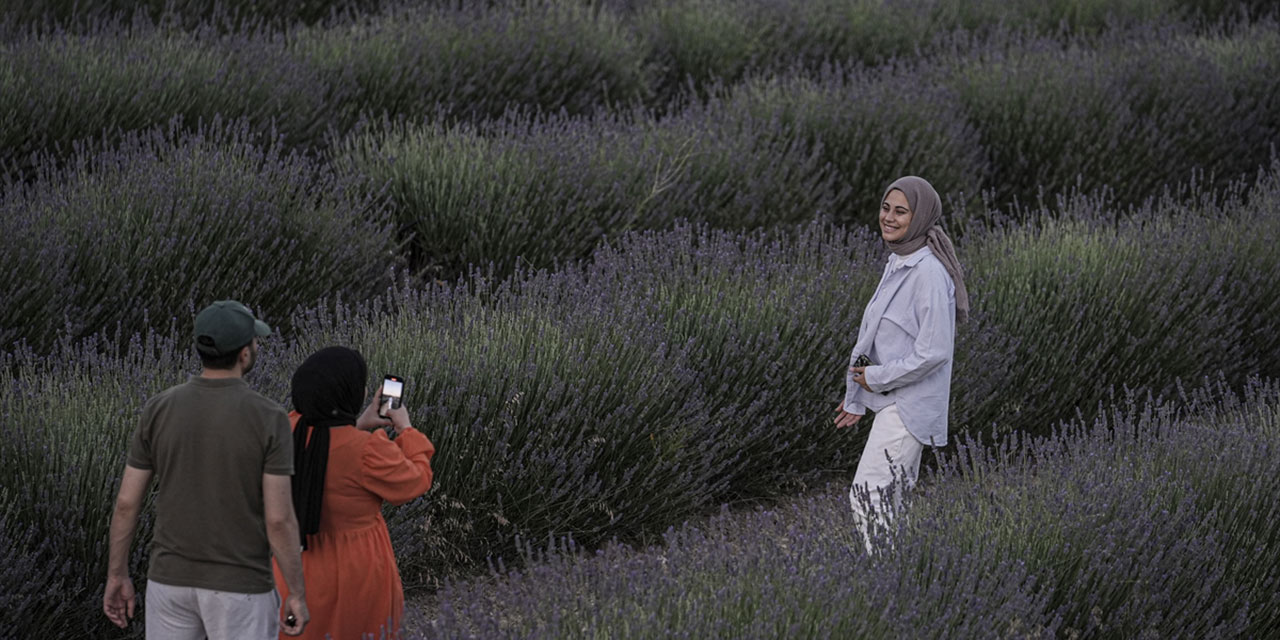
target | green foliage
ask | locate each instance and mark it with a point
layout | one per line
(475, 63)
(655, 368)
(1173, 292)
(683, 368)
(533, 192)
(1076, 17)
(548, 419)
(1147, 104)
(1135, 526)
(56, 89)
(696, 41)
(129, 239)
(66, 424)
(187, 12)
(869, 126)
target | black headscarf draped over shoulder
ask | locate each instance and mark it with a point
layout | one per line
(328, 390)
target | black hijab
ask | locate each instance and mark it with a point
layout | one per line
(328, 390)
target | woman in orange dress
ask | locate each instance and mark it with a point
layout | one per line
(345, 466)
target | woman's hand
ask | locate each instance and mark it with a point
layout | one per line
(860, 377)
(846, 419)
(370, 420)
(399, 418)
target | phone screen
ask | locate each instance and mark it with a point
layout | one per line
(392, 387)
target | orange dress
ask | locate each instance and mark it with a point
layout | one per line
(349, 568)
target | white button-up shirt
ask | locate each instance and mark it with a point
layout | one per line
(908, 332)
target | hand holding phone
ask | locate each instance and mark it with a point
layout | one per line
(392, 390)
(861, 378)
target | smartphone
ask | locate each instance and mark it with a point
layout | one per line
(392, 389)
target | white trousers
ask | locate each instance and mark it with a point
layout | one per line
(890, 462)
(190, 613)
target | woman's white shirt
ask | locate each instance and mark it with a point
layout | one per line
(908, 331)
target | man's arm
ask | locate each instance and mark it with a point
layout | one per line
(286, 545)
(119, 601)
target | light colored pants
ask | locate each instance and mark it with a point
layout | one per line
(890, 461)
(190, 613)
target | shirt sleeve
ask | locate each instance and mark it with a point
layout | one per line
(397, 471)
(279, 458)
(139, 456)
(851, 388)
(933, 346)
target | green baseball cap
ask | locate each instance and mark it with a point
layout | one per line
(227, 326)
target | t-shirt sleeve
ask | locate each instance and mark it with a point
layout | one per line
(279, 460)
(140, 456)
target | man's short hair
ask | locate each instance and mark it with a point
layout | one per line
(223, 362)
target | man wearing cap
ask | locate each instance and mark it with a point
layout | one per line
(222, 455)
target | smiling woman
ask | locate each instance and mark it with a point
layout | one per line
(895, 216)
(900, 367)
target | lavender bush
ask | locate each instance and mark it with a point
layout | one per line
(1249, 63)
(1136, 526)
(679, 369)
(867, 125)
(696, 42)
(549, 412)
(66, 420)
(1122, 528)
(126, 239)
(1002, 110)
(477, 61)
(57, 87)
(531, 192)
(1158, 107)
(1091, 301)
(232, 13)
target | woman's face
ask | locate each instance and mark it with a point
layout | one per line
(895, 216)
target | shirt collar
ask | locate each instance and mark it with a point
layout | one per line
(910, 260)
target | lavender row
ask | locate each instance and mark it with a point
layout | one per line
(130, 238)
(696, 42)
(676, 370)
(822, 29)
(1030, 105)
(1132, 526)
(479, 62)
(533, 191)
(768, 151)
(1093, 297)
(229, 14)
(58, 86)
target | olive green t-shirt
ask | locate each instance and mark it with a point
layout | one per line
(208, 442)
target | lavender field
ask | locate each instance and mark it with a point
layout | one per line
(1122, 528)
(620, 249)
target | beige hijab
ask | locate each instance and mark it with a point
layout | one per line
(926, 228)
